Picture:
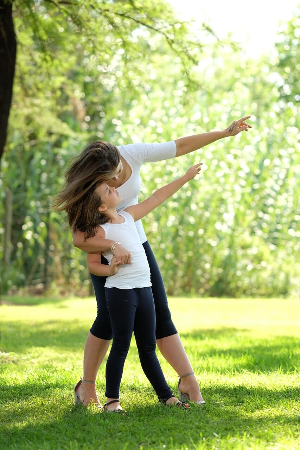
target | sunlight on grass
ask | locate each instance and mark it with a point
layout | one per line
(245, 353)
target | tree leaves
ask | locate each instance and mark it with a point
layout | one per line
(131, 71)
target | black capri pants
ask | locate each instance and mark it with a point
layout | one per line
(101, 327)
(133, 310)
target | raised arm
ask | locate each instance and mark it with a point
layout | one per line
(191, 143)
(162, 194)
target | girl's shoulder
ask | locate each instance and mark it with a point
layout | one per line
(126, 215)
(101, 230)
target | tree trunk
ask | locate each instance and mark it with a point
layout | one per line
(46, 251)
(8, 50)
(7, 227)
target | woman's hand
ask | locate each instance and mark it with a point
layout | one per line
(115, 265)
(193, 171)
(237, 126)
(122, 255)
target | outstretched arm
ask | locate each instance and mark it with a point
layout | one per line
(191, 143)
(162, 194)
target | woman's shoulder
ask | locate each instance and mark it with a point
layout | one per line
(144, 152)
(133, 153)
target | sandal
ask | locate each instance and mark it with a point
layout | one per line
(184, 397)
(179, 404)
(77, 399)
(113, 410)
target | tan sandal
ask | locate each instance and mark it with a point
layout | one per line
(77, 399)
(183, 396)
(179, 404)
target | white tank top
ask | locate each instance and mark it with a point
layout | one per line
(136, 274)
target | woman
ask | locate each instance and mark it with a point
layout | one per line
(100, 161)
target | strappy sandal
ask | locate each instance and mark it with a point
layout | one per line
(178, 404)
(113, 410)
(184, 397)
(77, 399)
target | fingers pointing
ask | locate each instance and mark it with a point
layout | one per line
(244, 118)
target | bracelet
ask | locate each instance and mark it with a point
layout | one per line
(114, 245)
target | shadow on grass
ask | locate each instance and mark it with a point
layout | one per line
(60, 335)
(148, 425)
(32, 301)
(275, 353)
(240, 351)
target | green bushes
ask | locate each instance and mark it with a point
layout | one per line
(233, 232)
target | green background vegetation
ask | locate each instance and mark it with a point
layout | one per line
(132, 72)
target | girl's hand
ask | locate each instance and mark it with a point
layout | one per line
(237, 126)
(122, 254)
(115, 265)
(193, 171)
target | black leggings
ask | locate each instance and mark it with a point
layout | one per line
(101, 327)
(133, 310)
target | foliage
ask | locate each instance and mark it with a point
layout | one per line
(235, 230)
(245, 354)
(77, 71)
(288, 46)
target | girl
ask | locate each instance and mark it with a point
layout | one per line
(128, 287)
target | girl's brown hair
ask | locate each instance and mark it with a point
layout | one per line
(78, 198)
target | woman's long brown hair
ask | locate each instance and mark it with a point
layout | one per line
(78, 198)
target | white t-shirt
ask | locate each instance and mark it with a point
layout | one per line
(135, 155)
(136, 274)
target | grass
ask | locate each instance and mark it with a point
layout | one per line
(245, 353)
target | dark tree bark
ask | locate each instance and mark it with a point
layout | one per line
(8, 50)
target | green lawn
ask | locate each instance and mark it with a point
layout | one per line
(245, 353)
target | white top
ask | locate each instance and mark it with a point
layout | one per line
(135, 155)
(136, 274)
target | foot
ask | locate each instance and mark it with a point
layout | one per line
(189, 385)
(176, 402)
(87, 394)
(113, 405)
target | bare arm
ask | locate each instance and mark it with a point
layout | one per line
(101, 270)
(162, 194)
(95, 244)
(94, 261)
(95, 266)
(98, 244)
(191, 143)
